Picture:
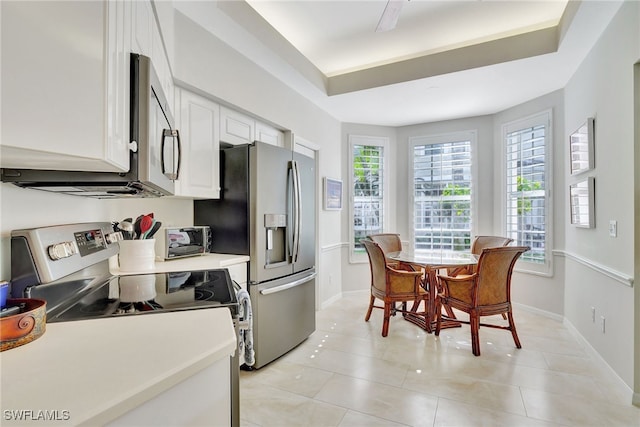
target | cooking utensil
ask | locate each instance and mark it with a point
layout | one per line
(154, 228)
(145, 225)
(127, 229)
(136, 228)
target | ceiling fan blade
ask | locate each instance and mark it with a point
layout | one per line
(389, 17)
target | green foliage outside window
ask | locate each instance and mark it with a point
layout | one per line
(523, 185)
(457, 190)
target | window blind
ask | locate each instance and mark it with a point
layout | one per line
(525, 182)
(442, 196)
(368, 193)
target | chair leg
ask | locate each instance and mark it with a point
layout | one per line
(366, 318)
(438, 315)
(512, 326)
(474, 323)
(385, 321)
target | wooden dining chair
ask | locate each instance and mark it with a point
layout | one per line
(486, 292)
(389, 242)
(391, 286)
(479, 243)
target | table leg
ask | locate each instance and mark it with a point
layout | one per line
(431, 284)
(434, 289)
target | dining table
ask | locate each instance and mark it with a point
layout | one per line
(432, 262)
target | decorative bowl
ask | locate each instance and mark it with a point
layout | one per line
(25, 326)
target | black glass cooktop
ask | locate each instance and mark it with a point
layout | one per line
(152, 293)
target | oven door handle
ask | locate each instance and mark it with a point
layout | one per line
(286, 286)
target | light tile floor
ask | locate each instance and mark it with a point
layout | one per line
(347, 374)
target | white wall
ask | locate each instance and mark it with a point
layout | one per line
(602, 88)
(22, 208)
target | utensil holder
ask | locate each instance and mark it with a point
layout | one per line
(137, 255)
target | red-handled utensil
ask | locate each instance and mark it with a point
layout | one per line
(146, 222)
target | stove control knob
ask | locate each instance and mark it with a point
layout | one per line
(62, 250)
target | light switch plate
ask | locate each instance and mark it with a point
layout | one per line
(613, 228)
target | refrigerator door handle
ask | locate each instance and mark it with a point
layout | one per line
(297, 210)
(286, 286)
(290, 211)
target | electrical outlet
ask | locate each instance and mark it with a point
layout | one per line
(613, 228)
(602, 323)
(593, 314)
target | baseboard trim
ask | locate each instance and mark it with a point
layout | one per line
(624, 387)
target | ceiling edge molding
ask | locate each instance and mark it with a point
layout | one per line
(250, 20)
(493, 52)
(566, 19)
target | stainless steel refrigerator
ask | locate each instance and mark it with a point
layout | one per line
(267, 210)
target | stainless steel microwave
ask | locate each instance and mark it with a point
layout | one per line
(179, 242)
(154, 156)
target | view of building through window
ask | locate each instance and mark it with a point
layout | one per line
(442, 196)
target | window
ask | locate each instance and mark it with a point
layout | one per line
(442, 192)
(527, 221)
(367, 190)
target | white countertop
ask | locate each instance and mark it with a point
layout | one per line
(200, 262)
(100, 369)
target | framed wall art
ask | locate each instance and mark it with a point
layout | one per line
(581, 148)
(332, 194)
(582, 204)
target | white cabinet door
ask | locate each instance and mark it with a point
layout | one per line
(269, 134)
(146, 39)
(235, 127)
(142, 25)
(198, 122)
(161, 63)
(118, 81)
(64, 85)
(203, 399)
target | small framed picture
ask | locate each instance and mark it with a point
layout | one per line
(581, 201)
(581, 148)
(332, 194)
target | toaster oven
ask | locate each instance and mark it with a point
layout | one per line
(179, 242)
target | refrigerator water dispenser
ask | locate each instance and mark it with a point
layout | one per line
(276, 229)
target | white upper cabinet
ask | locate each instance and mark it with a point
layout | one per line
(269, 134)
(236, 128)
(65, 82)
(199, 122)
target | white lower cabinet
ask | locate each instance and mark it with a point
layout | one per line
(65, 82)
(198, 120)
(203, 399)
(238, 273)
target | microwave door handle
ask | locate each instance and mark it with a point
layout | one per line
(175, 135)
(179, 144)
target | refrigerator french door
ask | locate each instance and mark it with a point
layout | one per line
(267, 211)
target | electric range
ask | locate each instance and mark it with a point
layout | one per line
(68, 267)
